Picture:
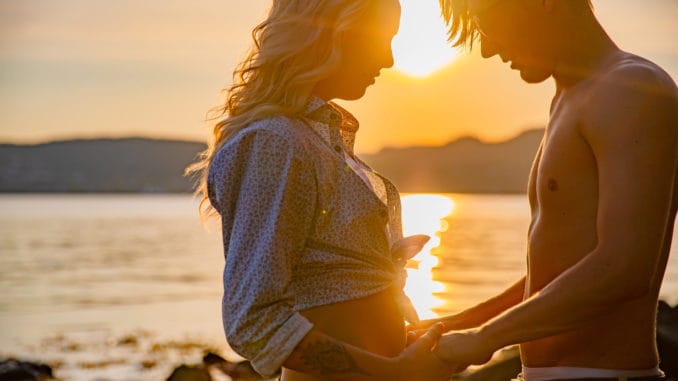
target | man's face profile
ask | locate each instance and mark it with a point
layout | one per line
(507, 28)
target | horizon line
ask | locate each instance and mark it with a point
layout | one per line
(86, 138)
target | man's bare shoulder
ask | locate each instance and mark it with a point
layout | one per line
(631, 91)
(635, 74)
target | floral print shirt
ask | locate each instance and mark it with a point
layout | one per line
(301, 228)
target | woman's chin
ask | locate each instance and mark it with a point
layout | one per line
(355, 94)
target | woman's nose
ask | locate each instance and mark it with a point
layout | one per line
(388, 60)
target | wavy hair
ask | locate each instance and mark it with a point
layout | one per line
(294, 48)
(462, 30)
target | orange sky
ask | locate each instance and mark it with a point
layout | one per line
(79, 68)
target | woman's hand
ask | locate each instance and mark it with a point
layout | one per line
(408, 247)
(468, 319)
(418, 362)
(448, 323)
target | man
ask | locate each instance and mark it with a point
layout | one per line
(603, 193)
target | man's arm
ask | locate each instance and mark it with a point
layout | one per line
(631, 129)
(481, 313)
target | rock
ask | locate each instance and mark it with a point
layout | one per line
(667, 338)
(129, 340)
(504, 367)
(211, 362)
(190, 373)
(241, 371)
(13, 370)
(211, 359)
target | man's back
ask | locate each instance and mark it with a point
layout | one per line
(607, 131)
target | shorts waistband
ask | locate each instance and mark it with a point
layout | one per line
(648, 378)
(652, 378)
(585, 374)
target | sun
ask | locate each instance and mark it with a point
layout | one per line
(421, 46)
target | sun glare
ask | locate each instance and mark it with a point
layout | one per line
(424, 214)
(421, 46)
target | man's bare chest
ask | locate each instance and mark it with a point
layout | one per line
(564, 174)
(563, 193)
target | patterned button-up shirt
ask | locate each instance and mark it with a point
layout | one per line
(300, 228)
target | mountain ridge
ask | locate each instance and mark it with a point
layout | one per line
(152, 165)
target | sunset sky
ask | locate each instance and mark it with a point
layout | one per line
(90, 68)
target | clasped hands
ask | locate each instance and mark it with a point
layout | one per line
(430, 355)
(433, 356)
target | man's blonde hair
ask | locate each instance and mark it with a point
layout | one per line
(294, 48)
(462, 30)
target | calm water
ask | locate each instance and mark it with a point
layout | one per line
(95, 267)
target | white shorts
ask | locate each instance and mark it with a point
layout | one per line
(572, 373)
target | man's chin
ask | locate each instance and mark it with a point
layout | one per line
(531, 76)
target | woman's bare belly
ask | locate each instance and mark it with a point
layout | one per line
(372, 323)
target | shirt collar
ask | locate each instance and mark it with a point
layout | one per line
(332, 122)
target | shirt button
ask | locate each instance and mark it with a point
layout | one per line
(337, 148)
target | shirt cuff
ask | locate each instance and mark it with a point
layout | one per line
(276, 351)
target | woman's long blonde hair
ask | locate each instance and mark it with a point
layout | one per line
(294, 48)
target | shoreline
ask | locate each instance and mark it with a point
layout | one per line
(145, 355)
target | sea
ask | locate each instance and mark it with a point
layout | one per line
(126, 287)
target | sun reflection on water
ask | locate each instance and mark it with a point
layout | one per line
(424, 214)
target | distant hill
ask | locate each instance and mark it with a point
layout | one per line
(464, 166)
(98, 165)
(148, 165)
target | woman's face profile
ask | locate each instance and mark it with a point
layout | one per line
(365, 50)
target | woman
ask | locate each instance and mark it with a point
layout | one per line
(310, 232)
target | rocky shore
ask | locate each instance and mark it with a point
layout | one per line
(141, 355)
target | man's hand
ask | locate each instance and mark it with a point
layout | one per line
(462, 349)
(418, 362)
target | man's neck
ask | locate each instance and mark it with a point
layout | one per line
(586, 49)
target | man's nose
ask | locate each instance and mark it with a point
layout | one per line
(488, 48)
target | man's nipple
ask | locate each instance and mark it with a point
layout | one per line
(553, 185)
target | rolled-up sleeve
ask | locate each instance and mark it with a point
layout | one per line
(265, 189)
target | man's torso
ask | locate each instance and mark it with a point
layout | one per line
(563, 192)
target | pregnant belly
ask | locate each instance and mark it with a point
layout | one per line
(373, 323)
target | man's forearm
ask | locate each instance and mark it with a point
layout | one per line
(584, 292)
(481, 313)
(580, 294)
